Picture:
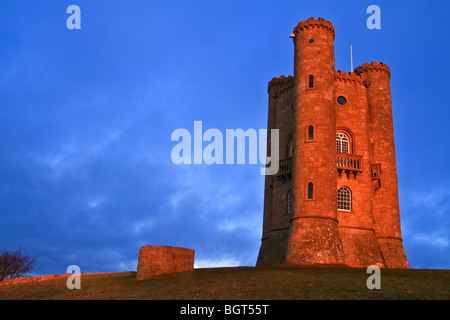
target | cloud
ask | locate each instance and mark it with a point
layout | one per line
(140, 226)
(426, 227)
(216, 263)
(431, 199)
(434, 240)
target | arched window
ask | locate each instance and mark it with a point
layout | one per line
(343, 144)
(289, 202)
(290, 146)
(311, 133)
(344, 197)
(310, 190)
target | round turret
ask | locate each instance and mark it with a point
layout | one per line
(314, 223)
(386, 209)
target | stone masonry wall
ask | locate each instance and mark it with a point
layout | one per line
(156, 261)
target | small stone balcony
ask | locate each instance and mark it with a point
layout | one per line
(349, 163)
(346, 164)
(376, 176)
(285, 168)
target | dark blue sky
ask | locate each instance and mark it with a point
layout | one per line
(86, 118)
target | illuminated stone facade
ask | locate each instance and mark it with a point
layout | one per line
(334, 200)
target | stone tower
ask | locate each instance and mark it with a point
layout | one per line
(334, 200)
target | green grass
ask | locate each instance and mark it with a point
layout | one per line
(243, 283)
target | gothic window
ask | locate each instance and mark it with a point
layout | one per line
(310, 133)
(344, 197)
(310, 190)
(342, 143)
(289, 202)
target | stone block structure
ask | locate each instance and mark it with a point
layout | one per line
(334, 200)
(155, 261)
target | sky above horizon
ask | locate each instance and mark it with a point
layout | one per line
(86, 118)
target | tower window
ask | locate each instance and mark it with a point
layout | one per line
(310, 190)
(344, 197)
(311, 41)
(342, 143)
(290, 147)
(311, 81)
(311, 133)
(341, 100)
(289, 202)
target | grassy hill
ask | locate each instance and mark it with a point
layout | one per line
(240, 283)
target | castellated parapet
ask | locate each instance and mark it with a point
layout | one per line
(280, 85)
(373, 66)
(334, 200)
(312, 23)
(351, 77)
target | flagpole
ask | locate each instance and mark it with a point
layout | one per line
(351, 58)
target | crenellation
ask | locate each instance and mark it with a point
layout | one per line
(351, 77)
(313, 23)
(279, 85)
(373, 66)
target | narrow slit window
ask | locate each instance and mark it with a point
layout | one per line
(311, 81)
(289, 202)
(310, 190)
(291, 148)
(311, 133)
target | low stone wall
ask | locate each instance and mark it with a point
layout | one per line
(156, 261)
